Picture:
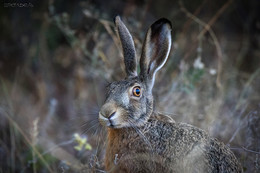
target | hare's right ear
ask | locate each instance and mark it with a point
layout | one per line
(128, 47)
(156, 49)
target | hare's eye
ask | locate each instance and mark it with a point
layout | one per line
(137, 91)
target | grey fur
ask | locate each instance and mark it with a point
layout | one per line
(156, 49)
(127, 43)
(140, 140)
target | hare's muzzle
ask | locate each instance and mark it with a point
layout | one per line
(108, 115)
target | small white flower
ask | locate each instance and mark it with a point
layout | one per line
(212, 71)
(198, 64)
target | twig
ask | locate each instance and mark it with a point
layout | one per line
(188, 22)
(241, 124)
(208, 28)
(252, 78)
(251, 151)
(245, 149)
(214, 18)
(107, 25)
(34, 136)
(113, 35)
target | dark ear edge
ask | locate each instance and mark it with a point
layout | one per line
(128, 47)
(156, 26)
(156, 49)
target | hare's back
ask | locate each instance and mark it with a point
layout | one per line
(166, 146)
(221, 158)
(188, 148)
(178, 139)
(159, 146)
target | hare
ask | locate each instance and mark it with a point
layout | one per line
(140, 140)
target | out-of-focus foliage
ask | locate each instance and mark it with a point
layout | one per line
(57, 57)
(82, 143)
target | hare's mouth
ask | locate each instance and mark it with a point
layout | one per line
(110, 121)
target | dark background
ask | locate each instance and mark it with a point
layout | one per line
(56, 58)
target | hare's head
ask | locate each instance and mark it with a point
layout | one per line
(130, 102)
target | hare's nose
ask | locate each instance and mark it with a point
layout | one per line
(108, 110)
(111, 115)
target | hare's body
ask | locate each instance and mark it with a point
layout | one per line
(140, 140)
(161, 146)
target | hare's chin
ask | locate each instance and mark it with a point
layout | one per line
(111, 123)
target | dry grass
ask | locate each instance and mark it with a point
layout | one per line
(56, 88)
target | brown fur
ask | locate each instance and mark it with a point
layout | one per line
(175, 147)
(140, 140)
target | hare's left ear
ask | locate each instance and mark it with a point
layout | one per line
(156, 49)
(128, 47)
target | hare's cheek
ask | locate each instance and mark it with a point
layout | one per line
(103, 121)
(122, 99)
(136, 108)
(125, 99)
(120, 118)
(136, 105)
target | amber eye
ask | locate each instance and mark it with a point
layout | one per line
(137, 91)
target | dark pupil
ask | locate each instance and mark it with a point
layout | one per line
(137, 91)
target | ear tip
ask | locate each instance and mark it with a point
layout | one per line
(161, 22)
(117, 18)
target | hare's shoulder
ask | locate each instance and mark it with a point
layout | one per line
(162, 117)
(175, 131)
(165, 120)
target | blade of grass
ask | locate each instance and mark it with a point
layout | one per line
(17, 127)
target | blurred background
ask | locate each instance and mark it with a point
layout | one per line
(56, 58)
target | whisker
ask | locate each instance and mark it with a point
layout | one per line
(132, 117)
(99, 138)
(87, 130)
(84, 113)
(139, 132)
(94, 121)
(96, 131)
(83, 120)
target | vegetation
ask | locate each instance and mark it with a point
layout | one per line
(56, 59)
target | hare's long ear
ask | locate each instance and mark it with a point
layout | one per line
(128, 47)
(156, 49)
